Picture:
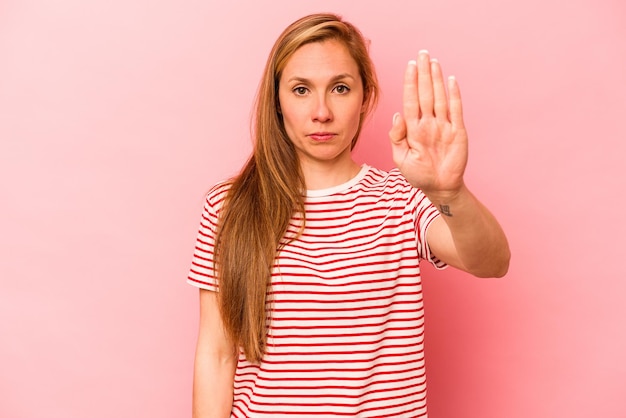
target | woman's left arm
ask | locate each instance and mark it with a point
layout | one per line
(467, 236)
(430, 147)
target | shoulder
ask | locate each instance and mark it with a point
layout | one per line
(392, 186)
(217, 193)
(215, 197)
(391, 181)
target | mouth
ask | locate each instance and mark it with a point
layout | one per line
(321, 136)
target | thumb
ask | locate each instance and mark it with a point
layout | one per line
(397, 134)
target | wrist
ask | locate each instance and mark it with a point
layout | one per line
(447, 197)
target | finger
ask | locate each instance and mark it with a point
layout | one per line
(439, 88)
(425, 84)
(409, 94)
(399, 144)
(397, 134)
(456, 107)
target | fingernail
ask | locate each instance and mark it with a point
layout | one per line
(413, 62)
(424, 51)
(434, 60)
(395, 118)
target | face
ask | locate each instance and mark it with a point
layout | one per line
(321, 100)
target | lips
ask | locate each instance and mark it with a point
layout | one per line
(321, 136)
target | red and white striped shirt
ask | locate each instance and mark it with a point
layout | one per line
(347, 322)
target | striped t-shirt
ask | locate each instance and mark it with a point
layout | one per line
(347, 323)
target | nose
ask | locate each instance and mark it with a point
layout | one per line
(322, 111)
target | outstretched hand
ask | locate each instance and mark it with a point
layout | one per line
(429, 141)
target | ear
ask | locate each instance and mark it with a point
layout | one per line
(365, 103)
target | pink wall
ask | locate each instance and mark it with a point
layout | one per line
(116, 116)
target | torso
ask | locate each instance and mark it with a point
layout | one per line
(346, 330)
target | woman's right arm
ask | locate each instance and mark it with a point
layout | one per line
(215, 363)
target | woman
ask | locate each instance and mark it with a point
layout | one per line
(308, 264)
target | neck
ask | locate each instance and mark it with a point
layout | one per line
(324, 176)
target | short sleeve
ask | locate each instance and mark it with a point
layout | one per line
(202, 272)
(425, 213)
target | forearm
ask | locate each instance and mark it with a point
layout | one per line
(213, 385)
(480, 243)
(215, 363)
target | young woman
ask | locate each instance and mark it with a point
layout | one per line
(308, 263)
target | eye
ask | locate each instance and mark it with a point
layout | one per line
(342, 89)
(300, 91)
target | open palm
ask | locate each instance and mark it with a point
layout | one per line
(429, 141)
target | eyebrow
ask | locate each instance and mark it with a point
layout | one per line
(332, 80)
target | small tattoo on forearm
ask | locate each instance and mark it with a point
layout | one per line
(445, 209)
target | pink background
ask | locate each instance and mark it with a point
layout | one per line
(116, 116)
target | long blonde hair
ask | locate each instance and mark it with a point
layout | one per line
(269, 189)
